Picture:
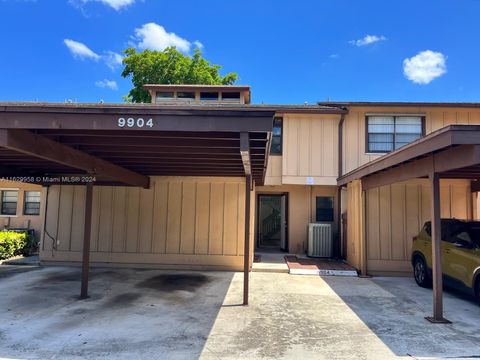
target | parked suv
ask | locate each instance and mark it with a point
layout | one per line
(460, 248)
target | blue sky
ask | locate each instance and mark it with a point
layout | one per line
(288, 51)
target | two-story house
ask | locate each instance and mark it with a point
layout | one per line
(192, 215)
(318, 148)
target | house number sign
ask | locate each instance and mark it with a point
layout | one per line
(134, 122)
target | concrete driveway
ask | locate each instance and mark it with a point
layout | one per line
(158, 314)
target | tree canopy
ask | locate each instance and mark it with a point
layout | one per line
(169, 66)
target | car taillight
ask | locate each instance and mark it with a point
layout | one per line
(414, 238)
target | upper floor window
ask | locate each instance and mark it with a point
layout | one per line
(9, 202)
(388, 133)
(276, 146)
(32, 203)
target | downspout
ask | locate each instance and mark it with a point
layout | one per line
(339, 248)
(45, 231)
(340, 145)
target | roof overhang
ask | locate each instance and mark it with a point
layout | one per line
(124, 144)
(452, 152)
(348, 104)
(190, 87)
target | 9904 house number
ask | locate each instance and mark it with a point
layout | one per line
(134, 123)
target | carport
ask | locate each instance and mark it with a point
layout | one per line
(452, 152)
(125, 144)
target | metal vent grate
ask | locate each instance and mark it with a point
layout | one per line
(320, 240)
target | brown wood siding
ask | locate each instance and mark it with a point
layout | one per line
(310, 149)
(183, 221)
(354, 146)
(395, 214)
(355, 224)
(273, 175)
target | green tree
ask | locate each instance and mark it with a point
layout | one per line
(169, 66)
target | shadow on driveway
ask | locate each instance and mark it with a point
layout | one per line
(130, 313)
(394, 309)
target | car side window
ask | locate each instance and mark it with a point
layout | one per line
(463, 240)
(428, 228)
(464, 237)
(475, 233)
(453, 230)
(450, 230)
(456, 231)
(446, 230)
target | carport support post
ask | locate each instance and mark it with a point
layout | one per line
(436, 251)
(246, 251)
(86, 241)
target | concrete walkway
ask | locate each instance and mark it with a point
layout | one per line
(305, 317)
(154, 314)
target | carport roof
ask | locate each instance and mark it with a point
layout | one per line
(177, 108)
(452, 152)
(38, 139)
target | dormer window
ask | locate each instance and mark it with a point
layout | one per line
(231, 96)
(164, 95)
(208, 96)
(186, 95)
(182, 94)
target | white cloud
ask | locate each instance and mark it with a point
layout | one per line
(117, 4)
(80, 50)
(107, 84)
(425, 66)
(367, 40)
(198, 44)
(114, 4)
(154, 37)
(112, 59)
(333, 56)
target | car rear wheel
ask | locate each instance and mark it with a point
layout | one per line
(420, 272)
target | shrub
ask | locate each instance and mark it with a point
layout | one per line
(12, 243)
(31, 245)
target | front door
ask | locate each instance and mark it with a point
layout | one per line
(272, 222)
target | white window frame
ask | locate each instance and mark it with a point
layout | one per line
(33, 202)
(1, 202)
(395, 115)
